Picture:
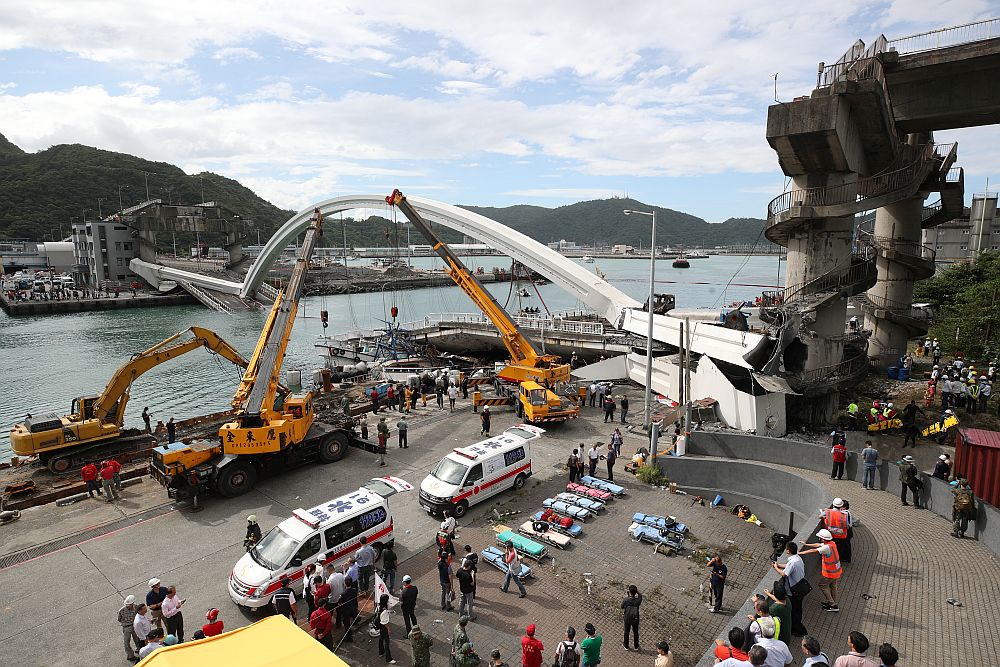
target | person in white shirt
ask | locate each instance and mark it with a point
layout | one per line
(778, 654)
(172, 616)
(153, 642)
(794, 571)
(812, 652)
(449, 524)
(569, 645)
(142, 623)
(594, 454)
(452, 397)
(337, 587)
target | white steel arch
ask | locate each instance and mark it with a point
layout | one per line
(608, 301)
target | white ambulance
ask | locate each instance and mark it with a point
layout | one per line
(470, 475)
(327, 533)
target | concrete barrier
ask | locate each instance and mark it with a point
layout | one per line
(783, 500)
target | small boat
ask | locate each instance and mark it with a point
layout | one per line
(587, 259)
(681, 262)
(697, 254)
(523, 292)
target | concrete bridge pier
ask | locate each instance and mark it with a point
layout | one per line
(897, 233)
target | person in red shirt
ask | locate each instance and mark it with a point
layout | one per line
(117, 468)
(839, 454)
(531, 648)
(214, 625)
(89, 473)
(321, 590)
(321, 623)
(108, 482)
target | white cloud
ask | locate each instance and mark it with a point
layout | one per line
(7, 86)
(233, 54)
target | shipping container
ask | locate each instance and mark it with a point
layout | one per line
(977, 458)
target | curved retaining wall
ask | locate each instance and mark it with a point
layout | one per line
(790, 500)
(935, 495)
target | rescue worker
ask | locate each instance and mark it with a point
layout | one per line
(962, 509)
(839, 454)
(852, 415)
(253, 532)
(284, 600)
(838, 521)
(383, 438)
(909, 477)
(89, 474)
(420, 647)
(974, 391)
(830, 568)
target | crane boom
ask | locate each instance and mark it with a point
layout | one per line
(526, 361)
(260, 382)
(108, 406)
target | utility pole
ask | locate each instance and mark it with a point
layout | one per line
(121, 206)
(99, 214)
(145, 179)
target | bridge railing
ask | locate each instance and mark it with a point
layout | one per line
(556, 323)
(945, 37)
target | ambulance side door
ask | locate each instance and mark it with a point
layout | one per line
(493, 468)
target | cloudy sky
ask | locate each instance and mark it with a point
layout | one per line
(467, 102)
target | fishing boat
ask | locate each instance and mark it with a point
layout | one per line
(587, 259)
(681, 262)
(697, 254)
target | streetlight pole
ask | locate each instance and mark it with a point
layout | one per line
(99, 214)
(145, 179)
(649, 322)
(121, 207)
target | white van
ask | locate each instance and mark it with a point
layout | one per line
(327, 533)
(470, 475)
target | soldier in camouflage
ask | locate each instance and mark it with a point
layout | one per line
(420, 646)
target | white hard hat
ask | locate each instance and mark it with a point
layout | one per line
(824, 535)
(252, 518)
(130, 599)
(154, 582)
(889, 404)
(949, 412)
(838, 502)
(943, 457)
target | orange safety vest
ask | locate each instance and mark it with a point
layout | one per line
(830, 565)
(836, 523)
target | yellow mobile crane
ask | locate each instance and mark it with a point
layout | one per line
(265, 436)
(95, 421)
(525, 381)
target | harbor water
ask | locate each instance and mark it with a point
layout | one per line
(46, 361)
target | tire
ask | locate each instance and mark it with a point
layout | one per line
(333, 448)
(378, 548)
(59, 465)
(519, 482)
(236, 479)
(461, 507)
(520, 409)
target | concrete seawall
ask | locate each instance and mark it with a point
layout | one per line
(86, 305)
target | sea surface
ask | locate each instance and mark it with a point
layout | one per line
(46, 361)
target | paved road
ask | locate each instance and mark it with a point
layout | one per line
(67, 601)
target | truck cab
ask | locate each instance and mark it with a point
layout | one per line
(536, 404)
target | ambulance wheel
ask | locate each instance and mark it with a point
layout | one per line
(519, 482)
(378, 548)
(236, 479)
(460, 508)
(333, 447)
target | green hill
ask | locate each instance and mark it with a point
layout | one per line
(41, 193)
(601, 221)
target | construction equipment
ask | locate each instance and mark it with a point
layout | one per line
(97, 420)
(525, 380)
(266, 435)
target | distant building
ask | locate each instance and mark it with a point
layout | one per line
(563, 244)
(103, 250)
(622, 250)
(962, 239)
(18, 255)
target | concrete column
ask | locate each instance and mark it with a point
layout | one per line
(147, 244)
(897, 223)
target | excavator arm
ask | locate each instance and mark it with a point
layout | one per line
(522, 351)
(110, 405)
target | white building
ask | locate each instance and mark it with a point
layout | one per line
(103, 250)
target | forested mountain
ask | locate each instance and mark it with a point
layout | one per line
(41, 193)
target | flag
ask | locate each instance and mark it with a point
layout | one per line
(381, 589)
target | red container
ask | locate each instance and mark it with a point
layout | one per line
(977, 458)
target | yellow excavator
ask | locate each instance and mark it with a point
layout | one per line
(97, 420)
(527, 378)
(267, 434)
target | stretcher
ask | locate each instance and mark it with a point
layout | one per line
(566, 526)
(565, 509)
(669, 543)
(594, 506)
(494, 557)
(523, 546)
(667, 523)
(603, 485)
(588, 492)
(887, 425)
(935, 427)
(549, 536)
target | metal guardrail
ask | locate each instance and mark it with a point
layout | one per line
(554, 323)
(860, 270)
(900, 308)
(854, 65)
(847, 369)
(912, 249)
(856, 192)
(945, 37)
